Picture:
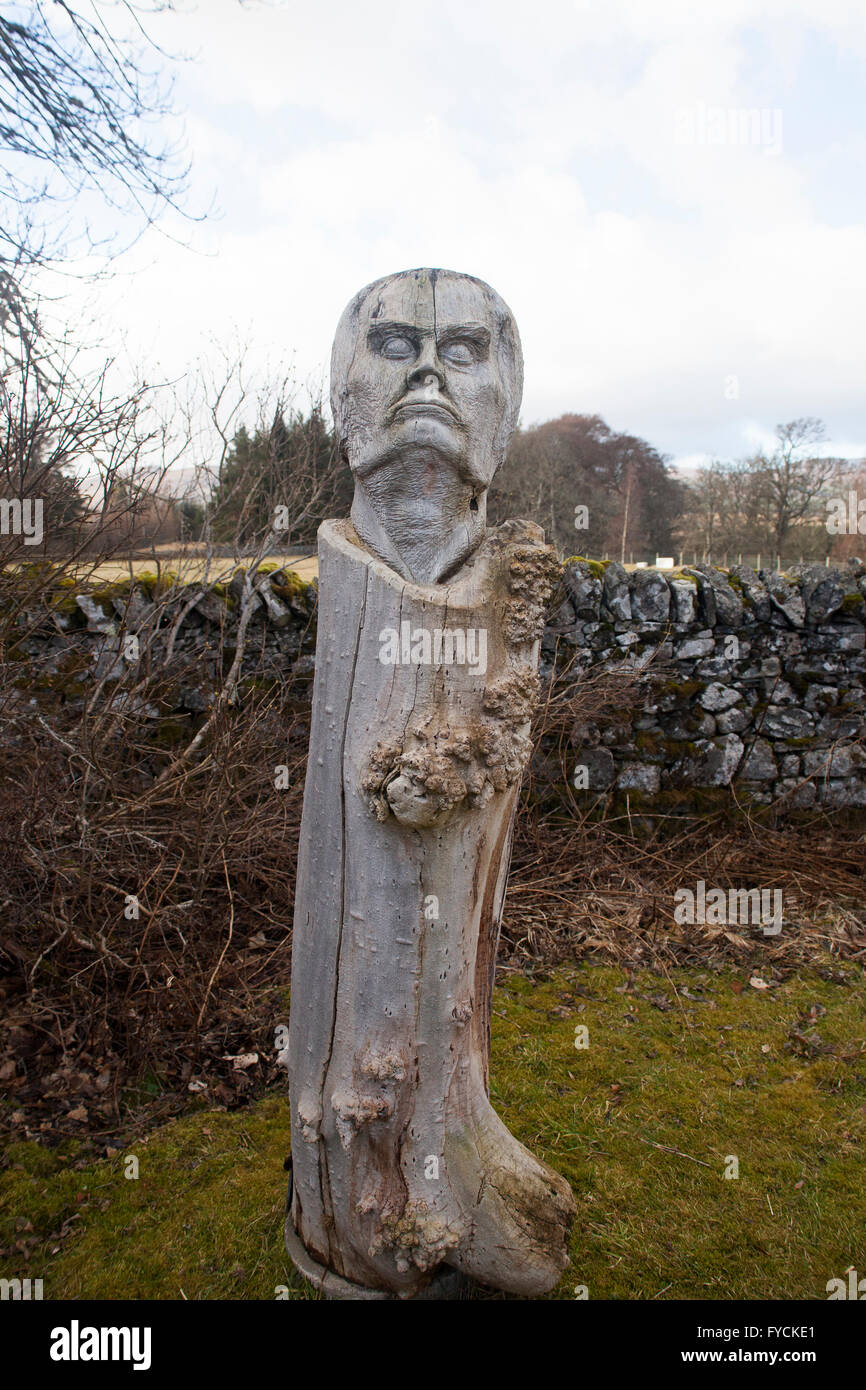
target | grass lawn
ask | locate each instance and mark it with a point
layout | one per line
(644, 1123)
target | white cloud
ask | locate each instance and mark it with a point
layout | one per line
(535, 147)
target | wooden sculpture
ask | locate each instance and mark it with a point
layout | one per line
(426, 657)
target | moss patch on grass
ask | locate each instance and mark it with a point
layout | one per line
(203, 1219)
(644, 1122)
(692, 1075)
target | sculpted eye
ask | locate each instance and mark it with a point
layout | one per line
(398, 347)
(458, 351)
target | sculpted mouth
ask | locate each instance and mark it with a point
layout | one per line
(429, 408)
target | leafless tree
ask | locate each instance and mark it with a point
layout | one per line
(769, 503)
(82, 106)
(90, 454)
(577, 461)
(795, 477)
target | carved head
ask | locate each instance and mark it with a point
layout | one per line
(426, 382)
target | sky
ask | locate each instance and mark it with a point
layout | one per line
(669, 195)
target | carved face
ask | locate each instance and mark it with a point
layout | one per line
(434, 366)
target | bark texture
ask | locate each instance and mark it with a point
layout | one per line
(400, 1164)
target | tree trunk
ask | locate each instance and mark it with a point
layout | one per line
(400, 1164)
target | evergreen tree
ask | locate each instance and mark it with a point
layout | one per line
(292, 466)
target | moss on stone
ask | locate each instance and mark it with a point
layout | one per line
(681, 748)
(289, 584)
(171, 732)
(595, 567)
(684, 689)
(148, 581)
(106, 592)
(711, 798)
(69, 685)
(647, 742)
(672, 798)
(66, 606)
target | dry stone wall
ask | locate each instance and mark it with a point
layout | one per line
(753, 684)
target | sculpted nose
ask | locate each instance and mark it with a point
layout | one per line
(427, 369)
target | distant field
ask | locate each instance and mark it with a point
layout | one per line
(190, 567)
